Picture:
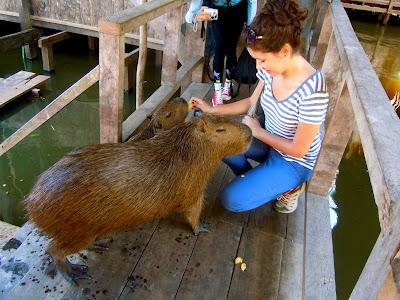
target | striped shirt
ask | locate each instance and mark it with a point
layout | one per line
(307, 104)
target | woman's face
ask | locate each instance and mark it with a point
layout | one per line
(272, 62)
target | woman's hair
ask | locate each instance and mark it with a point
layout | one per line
(278, 22)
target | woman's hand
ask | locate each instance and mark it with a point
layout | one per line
(201, 16)
(201, 104)
(252, 123)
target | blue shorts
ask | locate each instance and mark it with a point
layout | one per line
(253, 187)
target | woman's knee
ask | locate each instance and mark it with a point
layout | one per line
(232, 200)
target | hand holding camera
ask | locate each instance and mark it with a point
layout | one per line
(207, 14)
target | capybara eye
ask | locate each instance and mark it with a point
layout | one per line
(168, 114)
(220, 130)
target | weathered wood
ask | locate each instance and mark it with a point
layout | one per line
(337, 135)
(319, 267)
(395, 263)
(46, 46)
(141, 62)
(159, 97)
(130, 58)
(323, 40)
(388, 13)
(389, 290)
(15, 79)
(24, 7)
(128, 19)
(19, 39)
(170, 52)
(111, 85)
(55, 106)
(93, 43)
(378, 264)
(131, 38)
(23, 87)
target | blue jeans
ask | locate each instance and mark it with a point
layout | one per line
(253, 187)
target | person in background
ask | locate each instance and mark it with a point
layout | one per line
(226, 30)
(294, 100)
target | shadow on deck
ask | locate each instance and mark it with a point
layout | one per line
(164, 260)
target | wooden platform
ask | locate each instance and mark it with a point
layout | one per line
(18, 84)
(164, 260)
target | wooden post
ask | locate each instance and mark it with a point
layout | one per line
(170, 51)
(25, 19)
(93, 43)
(47, 58)
(131, 59)
(389, 290)
(389, 11)
(141, 62)
(194, 45)
(323, 40)
(46, 46)
(111, 84)
(336, 138)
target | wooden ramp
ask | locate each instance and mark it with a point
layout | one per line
(18, 84)
(164, 260)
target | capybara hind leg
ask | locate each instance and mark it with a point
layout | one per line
(71, 272)
(192, 214)
(101, 245)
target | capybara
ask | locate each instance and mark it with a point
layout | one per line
(102, 189)
(167, 116)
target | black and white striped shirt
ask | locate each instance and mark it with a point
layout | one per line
(307, 104)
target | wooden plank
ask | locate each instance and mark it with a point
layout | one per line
(389, 290)
(15, 79)
(378, 264)
(363, 7)
(131, 38)
(111, 85)
(170, 52)
(48, 41)
(19, 39)
(323, 41)
(319, 267)
(110, 270)
(159, 97)
(20, 89)
(128, 19)
(55, 106)
(262, 253)
(291, 276)
(266, 219)
(196, 89)
(336, 137)
(161, 267)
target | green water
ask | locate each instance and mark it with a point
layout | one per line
(74, 126)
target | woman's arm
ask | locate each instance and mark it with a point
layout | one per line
(298, 147)
(236, 108)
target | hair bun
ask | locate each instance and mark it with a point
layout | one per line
(285, 12)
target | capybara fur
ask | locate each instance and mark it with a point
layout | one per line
(167, 116)
(102, 189)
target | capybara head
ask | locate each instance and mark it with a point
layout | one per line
(230, 136)
(170, 114)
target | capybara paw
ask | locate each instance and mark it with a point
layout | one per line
(75, 273)
(51, 270)
(203, 227)
(101, 245)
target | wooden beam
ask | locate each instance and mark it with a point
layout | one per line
(194, 45)
(19, 39)
(54, 107)
(93, 43)
(159, 97)
(396, 271)
(363, 7)
(388, 13)
(128, 19)
(111, 85)
(323, 40)
(170, 52)
(24, 7)
(130, 58)
(389, 290)
(337, 135)
(141, 62)
(130, 38)
(46, 46)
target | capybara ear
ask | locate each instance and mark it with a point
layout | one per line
(201, 125)
(157, 125)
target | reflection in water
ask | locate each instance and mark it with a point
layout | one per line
(358, 226)
(74, 126)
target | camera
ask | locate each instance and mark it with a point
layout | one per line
(212, 12)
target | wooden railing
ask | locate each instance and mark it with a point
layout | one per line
(111, 72)
(358, 98)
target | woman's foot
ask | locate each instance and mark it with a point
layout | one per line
(217, 98)
(226, 90)
(287, 202)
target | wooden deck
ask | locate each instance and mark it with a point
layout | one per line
(164, 260)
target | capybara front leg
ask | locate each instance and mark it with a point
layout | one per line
(192, 214)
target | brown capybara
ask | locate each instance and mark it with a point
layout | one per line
(102, 189)
(167, 116)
